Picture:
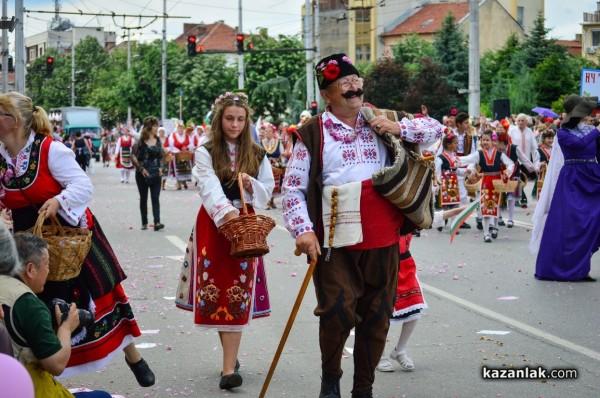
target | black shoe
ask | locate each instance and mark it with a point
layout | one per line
(158, 226)
(487, 239)
(142, 372)
(588, 279)
(330, 389)
(417, 233)
(144, 227)
(363, 394)
(230, 381)
(510, 224)
(501, 223)
(479, 225)
(465, 226)
(237, 366)
(494, 232)
(440, 228)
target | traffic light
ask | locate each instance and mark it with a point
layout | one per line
(199, 49)
(49, 65)
(239, 41)
(250, 46)
(11, 64)
(191, 45)
(313, 107)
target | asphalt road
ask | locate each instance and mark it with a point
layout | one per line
(485, 309)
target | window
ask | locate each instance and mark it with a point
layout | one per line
(367, 53)
(520, 15)
(596, 38)
(359, 55)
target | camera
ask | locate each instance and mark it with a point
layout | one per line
(86, 318)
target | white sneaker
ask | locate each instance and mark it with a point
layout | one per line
(405, 362)
(385, 365)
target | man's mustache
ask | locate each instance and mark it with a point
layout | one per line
(350, 94)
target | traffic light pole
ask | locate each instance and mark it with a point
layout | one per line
(241, 71)
(4, 49)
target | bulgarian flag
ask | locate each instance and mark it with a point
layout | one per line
(462, 217)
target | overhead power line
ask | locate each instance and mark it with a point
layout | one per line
(113, 14)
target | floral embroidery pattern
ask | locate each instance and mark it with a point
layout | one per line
(370, 153)
(293, 181)
(25, 166)
(297, 220)
(234, 304)
(301, 154)
(349, 155)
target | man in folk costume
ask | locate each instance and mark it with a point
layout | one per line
(123, 155)
(180, 146)
(334, 157)
(522, 136)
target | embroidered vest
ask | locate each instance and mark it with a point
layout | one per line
(490, 167)
(36, 185)
(511, 153)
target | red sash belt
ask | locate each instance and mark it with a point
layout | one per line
(380, 219)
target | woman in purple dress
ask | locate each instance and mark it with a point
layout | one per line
(572, 230)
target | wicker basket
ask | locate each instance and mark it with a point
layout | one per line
(184, 156)
(248, 232)
(277, 171)
(505, 186)
(67, 247)
(474, 187)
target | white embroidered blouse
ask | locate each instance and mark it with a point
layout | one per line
(77, 190)
(211, 192)
(350, 154)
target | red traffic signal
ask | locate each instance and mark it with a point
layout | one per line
(239, 41)
(49, 64)
(313, 107)
(199, 48)
(191, 45)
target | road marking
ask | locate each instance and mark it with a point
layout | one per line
(177, 242)
(523, 224)
(513, 322)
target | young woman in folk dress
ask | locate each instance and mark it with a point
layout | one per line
(545, 150)
(223, 287)
(489, 162)
(123, 155)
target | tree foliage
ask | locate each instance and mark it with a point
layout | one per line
(386, 84)
(452, 53)
(412, 51)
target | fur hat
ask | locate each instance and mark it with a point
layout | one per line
(334, 67)
(577, 106)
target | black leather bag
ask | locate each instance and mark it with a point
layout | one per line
(153, 177)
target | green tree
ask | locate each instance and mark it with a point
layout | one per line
(555, 76)
(90, 59)
(411, 51)
(271, 77)
(386, 84)
(451, 52)
(537, 46)
(49, 91)
(430, 87)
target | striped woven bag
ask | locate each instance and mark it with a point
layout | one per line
(407, 182)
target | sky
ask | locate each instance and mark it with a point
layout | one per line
(279, 16)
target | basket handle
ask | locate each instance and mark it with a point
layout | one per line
(37, 228)
(241, 185)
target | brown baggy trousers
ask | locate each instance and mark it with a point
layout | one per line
(355, 289)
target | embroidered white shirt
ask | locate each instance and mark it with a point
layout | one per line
(211, 192)
(350, 154)
(77, 190)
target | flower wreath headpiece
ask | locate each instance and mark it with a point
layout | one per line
(229, 95)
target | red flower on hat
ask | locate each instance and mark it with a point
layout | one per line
(331, 72)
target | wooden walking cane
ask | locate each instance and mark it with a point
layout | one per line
(289, 324)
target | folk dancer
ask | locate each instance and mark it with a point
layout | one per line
(123, 155)
(180, 147)
(272, 145)
(545, 149)
(489, 161)
(447, 173)
(522, 136)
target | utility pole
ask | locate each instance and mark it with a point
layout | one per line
(241, 54)
(317, 47)
(308, 36)
(163, 90)
(128, 67)
(4, 49)
(19, 49)
(474, 83)
(73, 67)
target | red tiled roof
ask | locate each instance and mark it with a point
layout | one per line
(430, 18)
(573, 46)
(215, 36)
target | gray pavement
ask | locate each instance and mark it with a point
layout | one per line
(470, 286)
